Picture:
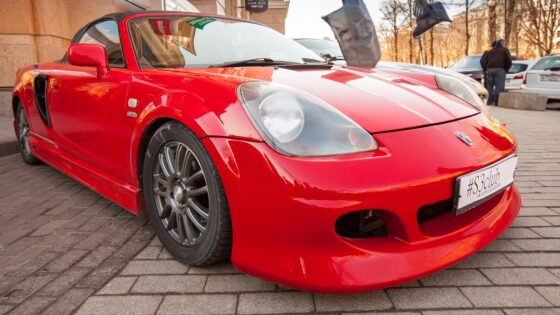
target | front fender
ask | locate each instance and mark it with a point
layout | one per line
(212, 115)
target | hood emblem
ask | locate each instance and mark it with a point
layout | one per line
(466, 139)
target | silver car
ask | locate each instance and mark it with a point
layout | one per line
(544, 78)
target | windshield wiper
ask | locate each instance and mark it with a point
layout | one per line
(255, 62)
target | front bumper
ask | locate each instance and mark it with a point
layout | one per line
(284, 209)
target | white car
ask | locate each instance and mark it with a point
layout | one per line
(516, 74)
(544, 78)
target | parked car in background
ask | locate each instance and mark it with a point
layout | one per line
(516, 74)
(472, 83)
(470, 66)
(324, 47)
(544, 78)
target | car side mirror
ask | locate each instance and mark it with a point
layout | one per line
(89, 55)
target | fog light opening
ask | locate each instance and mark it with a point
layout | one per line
(361, 224)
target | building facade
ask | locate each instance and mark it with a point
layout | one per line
(39, 31)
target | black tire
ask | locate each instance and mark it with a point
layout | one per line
(22, 133)
(214, 243)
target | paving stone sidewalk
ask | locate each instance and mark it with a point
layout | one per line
(8, 141)
(64, 249)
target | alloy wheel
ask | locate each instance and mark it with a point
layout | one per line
(181, 193)
(23, 129)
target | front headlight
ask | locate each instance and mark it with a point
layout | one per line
(296, 123)
(461, 90)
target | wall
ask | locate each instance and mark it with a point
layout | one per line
(39, 31)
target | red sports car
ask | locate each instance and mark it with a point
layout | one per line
(239, 143)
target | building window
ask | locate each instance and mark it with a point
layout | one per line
(179, 5)
(221, 7)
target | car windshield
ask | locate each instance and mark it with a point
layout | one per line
(322, 47)
(199, 42)
(469, 62)
(517, 68)
(547, 63)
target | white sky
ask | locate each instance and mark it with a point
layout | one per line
(304, 17)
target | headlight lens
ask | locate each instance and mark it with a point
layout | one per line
(282, 116)
(461, 90)
(299, 124)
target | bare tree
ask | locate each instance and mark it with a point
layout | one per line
(409, 13)
(541, 24)
(393, 12)
(511, 15)
(492, 19)
(468, 6)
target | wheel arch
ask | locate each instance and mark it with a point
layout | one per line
(145, 138)
(15, 102)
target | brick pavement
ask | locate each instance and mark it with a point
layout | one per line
(64, 246)
(8, 141)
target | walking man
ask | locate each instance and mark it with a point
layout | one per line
(498, 60)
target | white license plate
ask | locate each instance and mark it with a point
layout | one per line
(476, 187)
(550, 78)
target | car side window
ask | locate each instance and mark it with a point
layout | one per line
(106, 33)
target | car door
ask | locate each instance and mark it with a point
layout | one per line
(89, 115)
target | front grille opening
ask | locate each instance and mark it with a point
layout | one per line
(429, 212)
(361, 224)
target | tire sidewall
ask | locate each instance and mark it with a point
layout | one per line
(169, 132)
(26, 156)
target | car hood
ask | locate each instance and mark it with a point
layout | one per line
(378, 100)
(466, 70)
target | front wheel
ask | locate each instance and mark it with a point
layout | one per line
(185, 198)
(22, 133)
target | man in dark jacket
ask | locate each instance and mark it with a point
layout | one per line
(498, 61)
(485, 67)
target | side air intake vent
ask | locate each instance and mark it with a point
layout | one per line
(40, 85)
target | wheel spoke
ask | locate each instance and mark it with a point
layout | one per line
(198, 191)
(160, 180)
(185, 167)
(160, 193)
(177, 159)
(195, 221)
(163, 166)
(180, 227)
(188, 228)
(194, 205)
(194, 177)
(168, 159)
